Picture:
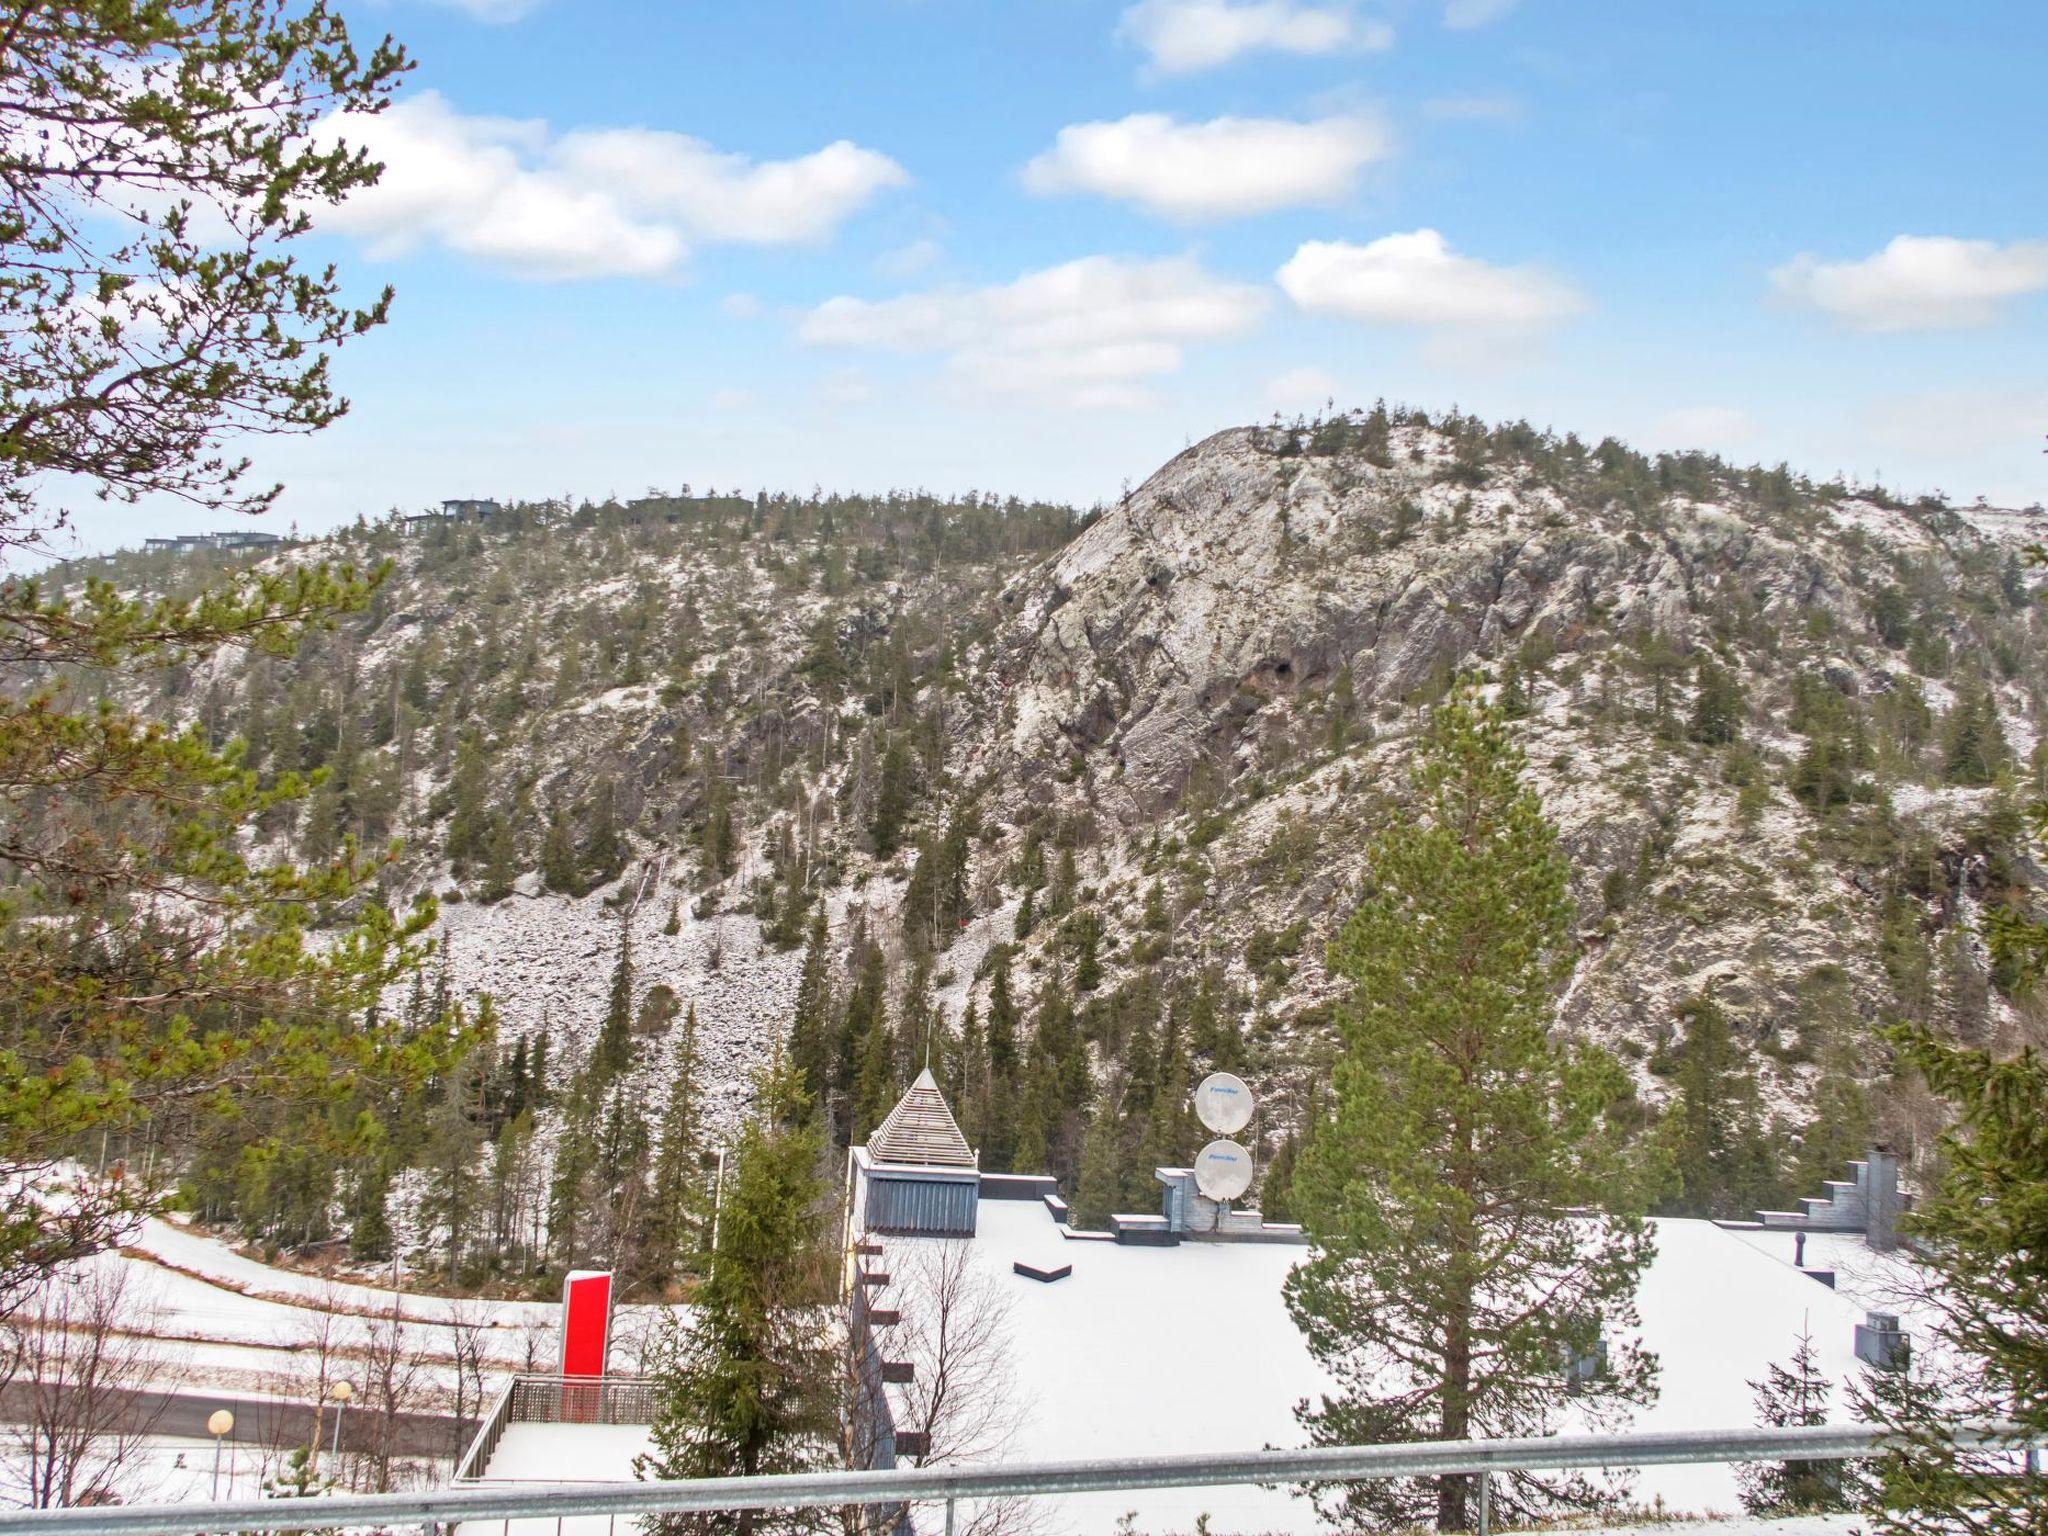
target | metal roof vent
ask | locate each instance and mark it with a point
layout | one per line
(1880, 1342)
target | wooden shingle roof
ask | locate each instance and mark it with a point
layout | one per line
(921, 1130)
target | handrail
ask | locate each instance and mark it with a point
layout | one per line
(438, 1508)
(488, 1434)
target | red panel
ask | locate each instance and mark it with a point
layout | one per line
(586, 1322)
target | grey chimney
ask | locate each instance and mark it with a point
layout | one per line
(1881, 1201)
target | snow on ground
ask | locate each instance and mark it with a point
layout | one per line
(193, 1253)
(567, 1453)
(230, 1324)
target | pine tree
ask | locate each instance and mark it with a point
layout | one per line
(1793, 1394)
(1436, 1194)
(1982, 1234)
(746, 1385)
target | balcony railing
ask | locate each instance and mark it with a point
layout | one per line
(435, 1512)
(556, 1400)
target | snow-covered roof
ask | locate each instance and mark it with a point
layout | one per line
(1152, 1351)
(921, 1131)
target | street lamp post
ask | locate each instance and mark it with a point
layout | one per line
(342, 1393)
(220, 1426)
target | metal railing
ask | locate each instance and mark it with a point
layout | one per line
(582, 1400)
(488, 1433)
(556, 1400)
(435, 1511)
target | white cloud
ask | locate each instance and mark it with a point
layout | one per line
(1089, 333)
(732, 398)
(1416, 279)
(1712, 427)
(591, 203)
(742, 306)
(1228, 167)
(1183, 36)
(1302, 389)
(1464, 15)
(1918, 282)
(726, 197)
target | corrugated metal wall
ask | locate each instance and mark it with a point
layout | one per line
(928, 1207)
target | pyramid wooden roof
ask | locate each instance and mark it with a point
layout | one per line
(921, 1130)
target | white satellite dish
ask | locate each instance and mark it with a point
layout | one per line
(1223, 1103)
(1223, 1170)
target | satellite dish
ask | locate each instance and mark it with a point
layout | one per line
(1223, 1103)
(1223, 1170)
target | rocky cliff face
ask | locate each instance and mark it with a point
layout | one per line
(1258, 622)
(1783, 729)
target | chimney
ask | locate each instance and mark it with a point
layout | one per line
(1881, 1201)
(1880, 1342)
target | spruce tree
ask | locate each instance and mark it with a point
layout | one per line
(675, 1197)
(810, 1023)
(468, 823)
(867, 1077)
(1717, 706)
(501, 859)
(719, 845)
(1436, 1194)
(1713, 1128)
(1793, 1394)
(746, 1385)
(558, 856)
(1974, 749)
(999, 1148)
(568, 1195)
(966, 1080)
(893, 798)
(618, 1182)
(604, 846)
(1098, 1189)
(613, 1052)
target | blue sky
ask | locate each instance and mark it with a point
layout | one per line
(1039, 245)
